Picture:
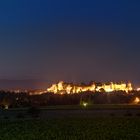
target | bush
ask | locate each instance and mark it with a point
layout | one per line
(138, 114)
(6, 117)
(128, 114)
(34, 112)
(112, 114)
(20, 116)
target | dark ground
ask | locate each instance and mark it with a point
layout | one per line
(98, 122)
(75, 111)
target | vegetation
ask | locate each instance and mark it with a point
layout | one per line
(110, 128)
(21, 118)
(22, 100)
(34, 112)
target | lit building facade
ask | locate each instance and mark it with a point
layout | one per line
(62, 88)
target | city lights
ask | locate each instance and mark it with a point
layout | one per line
(62, 87)
(85, 104)
(137, 100)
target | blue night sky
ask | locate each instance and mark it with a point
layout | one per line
(71, 40)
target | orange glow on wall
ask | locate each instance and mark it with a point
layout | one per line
(62, 87)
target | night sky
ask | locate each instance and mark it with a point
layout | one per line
(44, 41)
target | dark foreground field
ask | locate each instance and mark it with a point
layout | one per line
(74, 111)
(103, 128)
(98, 122)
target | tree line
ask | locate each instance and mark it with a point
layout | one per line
(21, 100)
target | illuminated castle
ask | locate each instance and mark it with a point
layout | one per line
(62, 88)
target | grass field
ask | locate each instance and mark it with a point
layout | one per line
(49, 112)
(104, 128)
(96, 122)
(95, 106)
(88, 107)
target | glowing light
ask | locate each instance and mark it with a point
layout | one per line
(137, 100)
(85, 104)
(6, 107)
(138, 89)
(62, 88)
(68, 89)
(60, 85)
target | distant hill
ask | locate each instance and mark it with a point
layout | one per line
(23, 84)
